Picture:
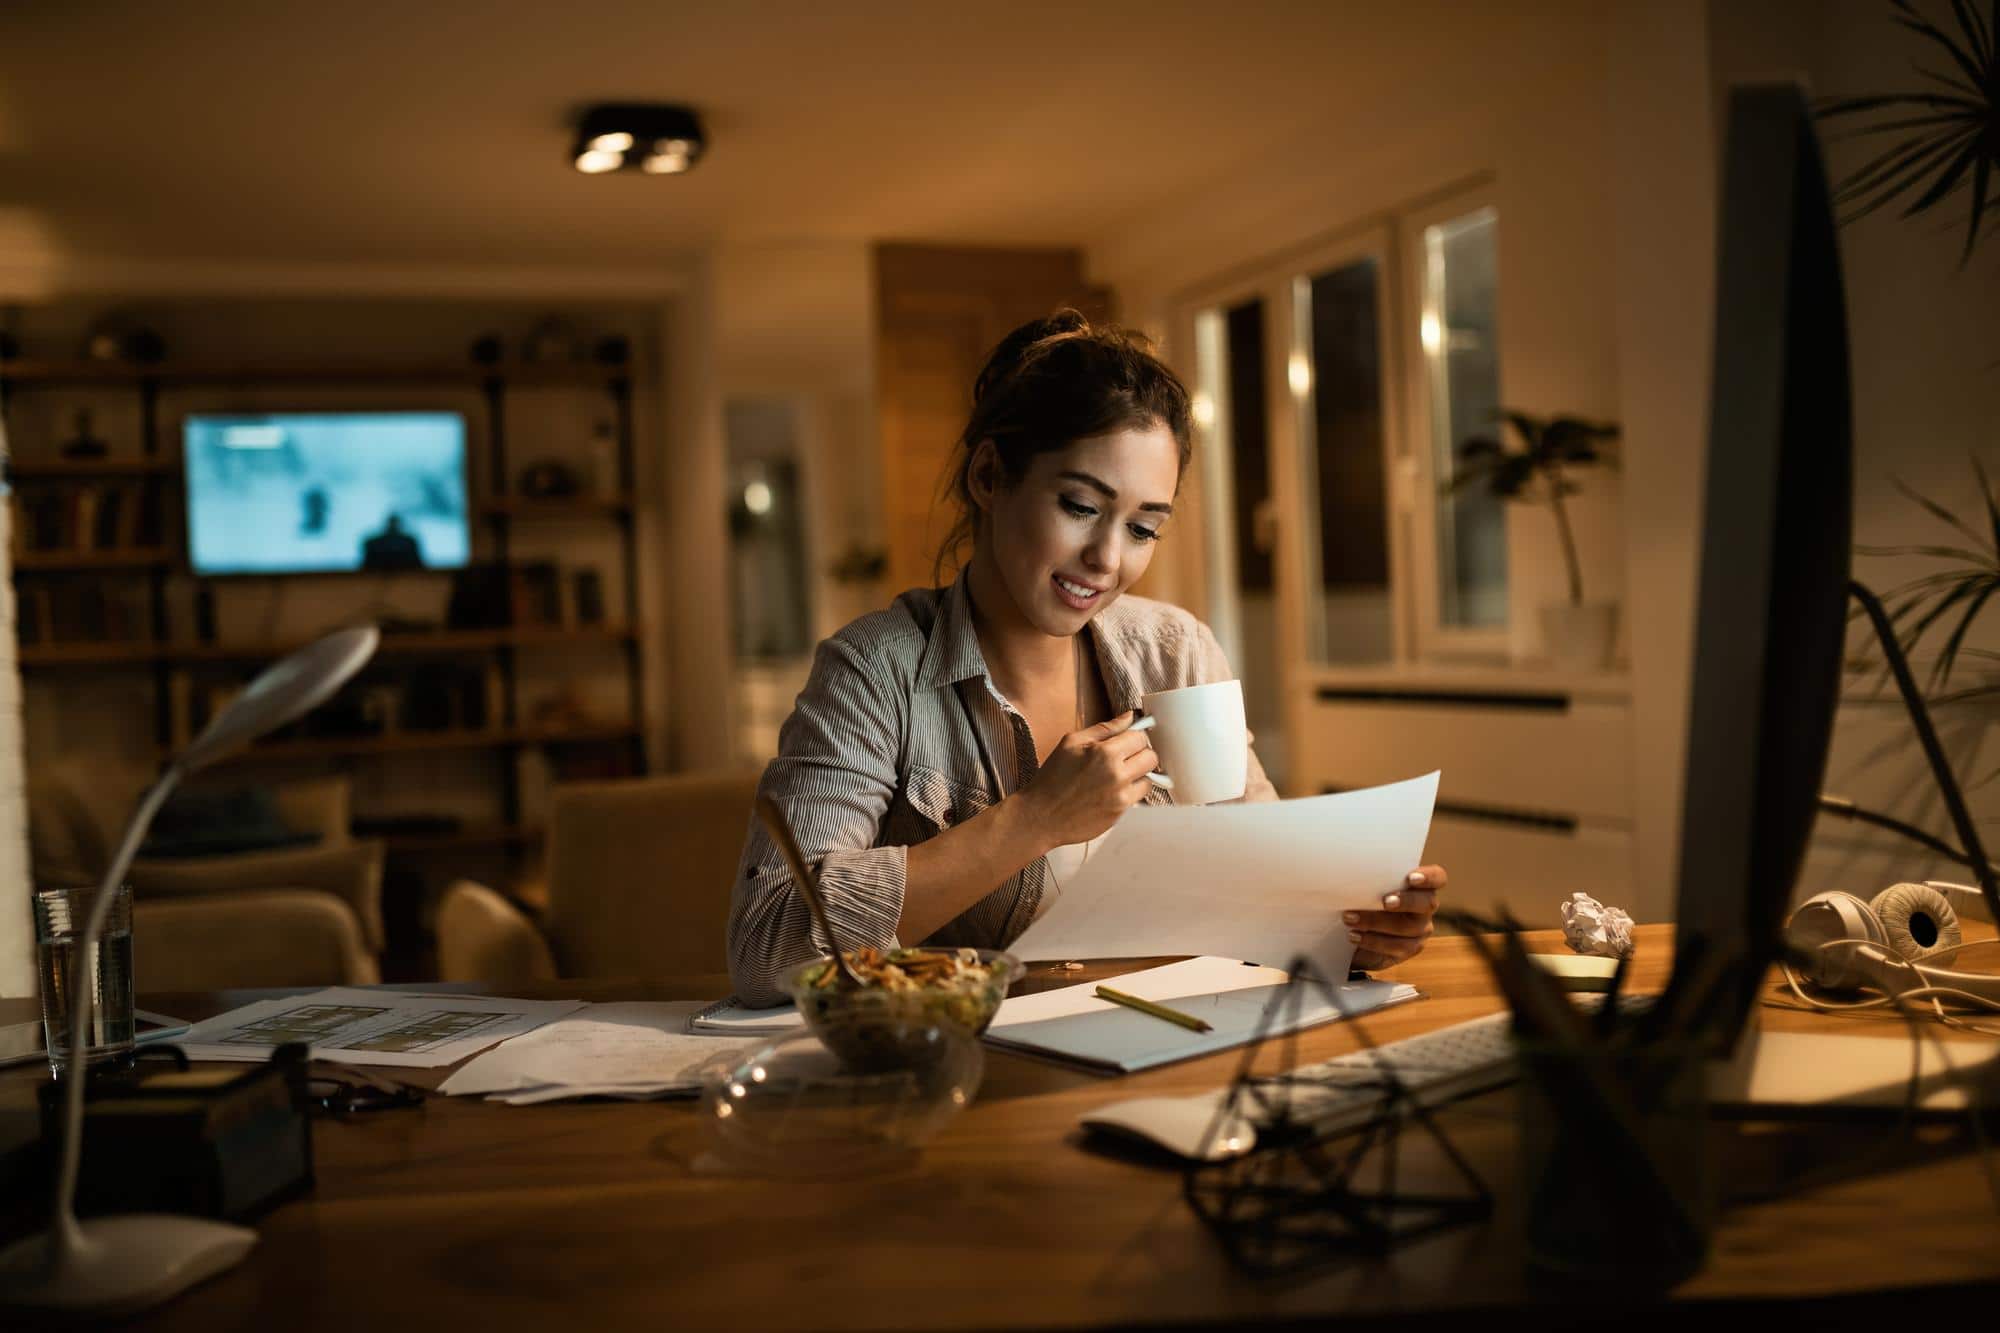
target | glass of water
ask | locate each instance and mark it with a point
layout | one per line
(61, 914)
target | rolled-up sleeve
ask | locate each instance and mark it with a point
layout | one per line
(1213, 666)
(834, 777)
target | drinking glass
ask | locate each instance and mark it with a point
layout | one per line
(61, 913)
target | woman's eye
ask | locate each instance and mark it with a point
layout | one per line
(1140, 532)
(1076, 508)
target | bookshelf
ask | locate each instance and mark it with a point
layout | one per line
(129, 551)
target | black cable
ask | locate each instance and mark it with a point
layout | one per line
(1920, 719)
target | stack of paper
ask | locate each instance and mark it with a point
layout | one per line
(607, 1050)
(403, 1029)
(1074, 1026)
(727, 1018)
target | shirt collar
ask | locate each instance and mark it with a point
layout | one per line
(951, 653)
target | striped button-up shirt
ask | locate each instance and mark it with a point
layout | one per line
(899, 734)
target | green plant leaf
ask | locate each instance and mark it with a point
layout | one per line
(1941, 674)
(1908, 15)
(1979, 181)
(1936, 510)
(1962, 117)
(1915, 633)
(1904, 176)
(1947, 180)
(1848, 106)
(1976, 558)
(1986, 494)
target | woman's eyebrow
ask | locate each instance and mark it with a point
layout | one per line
(1111, 494)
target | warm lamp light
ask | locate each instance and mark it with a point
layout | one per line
(657, 140)
(113, 1265)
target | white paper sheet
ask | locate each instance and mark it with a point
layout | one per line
(400, 1029)
(1074, 1026)
(728, 1018)
(637, 1049)
(1266, 880)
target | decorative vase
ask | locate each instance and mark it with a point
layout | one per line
(1581, 635)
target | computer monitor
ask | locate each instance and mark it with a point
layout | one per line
(1772, 610)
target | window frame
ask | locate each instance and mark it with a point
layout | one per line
(1432, 638)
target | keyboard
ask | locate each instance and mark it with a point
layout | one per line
(1348, 1090)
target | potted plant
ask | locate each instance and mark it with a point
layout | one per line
(1576, 632)
(1950, 598)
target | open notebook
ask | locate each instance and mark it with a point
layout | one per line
(1074, 1026)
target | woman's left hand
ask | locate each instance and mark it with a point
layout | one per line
(1397, 934)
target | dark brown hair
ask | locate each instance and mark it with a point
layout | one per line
(1053, 382)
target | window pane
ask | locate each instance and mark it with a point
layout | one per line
(1346, 511)
(1462, 359)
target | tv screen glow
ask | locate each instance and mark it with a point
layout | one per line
(326, 492)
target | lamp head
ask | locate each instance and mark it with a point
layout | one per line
(281, 692)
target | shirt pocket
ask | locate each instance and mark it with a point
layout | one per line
(942, 800)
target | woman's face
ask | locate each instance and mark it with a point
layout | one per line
(1081, 526)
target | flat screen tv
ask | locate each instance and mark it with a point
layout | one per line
(326, 492)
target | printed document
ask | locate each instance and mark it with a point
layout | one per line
(401, 1029)
(1265, 881)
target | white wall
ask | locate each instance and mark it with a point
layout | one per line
(1663, 190)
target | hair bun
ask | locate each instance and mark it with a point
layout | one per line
(1013, 348)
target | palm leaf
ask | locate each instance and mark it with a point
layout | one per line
(1850, 106)
(1979, 178)
(1937, 510)
(1977, 37)
(1916, 632)
(1912, 123)
(1903, 176)
(1941, 673)
(1948, 180)
(1986, 494)
(1935, 552)
(1917, 23)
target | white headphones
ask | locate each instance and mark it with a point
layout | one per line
(1895, 943)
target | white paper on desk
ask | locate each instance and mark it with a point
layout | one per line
(730, 1018)
(627, 1049)
(1266, 880)
(399, 1029)
(1075, 1026)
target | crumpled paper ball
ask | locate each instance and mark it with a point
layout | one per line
(1592, 928)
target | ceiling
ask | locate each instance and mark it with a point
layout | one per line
(366, 131)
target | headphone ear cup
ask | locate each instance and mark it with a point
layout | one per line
(1820, 921)
(1917, 921)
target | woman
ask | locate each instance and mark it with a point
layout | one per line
(953, 757)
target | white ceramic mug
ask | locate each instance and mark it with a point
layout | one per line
(1202, 739)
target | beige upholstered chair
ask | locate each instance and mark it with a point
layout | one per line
(639, 875)
(293, 916)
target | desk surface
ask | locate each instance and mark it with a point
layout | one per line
(602, 1212)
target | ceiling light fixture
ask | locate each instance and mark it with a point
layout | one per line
(658, 140)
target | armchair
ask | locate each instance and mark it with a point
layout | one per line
(236, 919)
(639, 872)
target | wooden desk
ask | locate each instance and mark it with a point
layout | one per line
(469, 1214)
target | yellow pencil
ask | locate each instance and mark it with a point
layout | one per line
(1156, 1010)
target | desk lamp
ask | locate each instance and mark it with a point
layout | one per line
(115, 1264)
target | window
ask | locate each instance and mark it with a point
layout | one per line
(1333, 388)
(1461, 360)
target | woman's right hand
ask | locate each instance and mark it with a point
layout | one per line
(1092, 777)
